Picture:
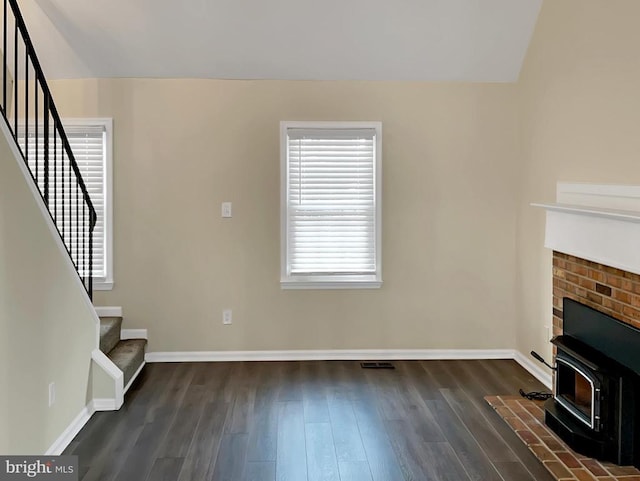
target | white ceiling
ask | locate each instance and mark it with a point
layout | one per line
(434, 40)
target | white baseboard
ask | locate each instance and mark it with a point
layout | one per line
(354, 355)
(534, 368)
(329, 355)
(105, 404)
(134, 334)
(109, 311)
(71, 432)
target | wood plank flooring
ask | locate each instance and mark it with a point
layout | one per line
(311, 421)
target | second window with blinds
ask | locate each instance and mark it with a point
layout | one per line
(331, 205)
(91, 143)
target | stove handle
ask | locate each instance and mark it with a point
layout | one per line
(538, 357)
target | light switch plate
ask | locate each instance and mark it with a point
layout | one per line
(226, 209)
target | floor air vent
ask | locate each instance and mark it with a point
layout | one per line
(377, 365)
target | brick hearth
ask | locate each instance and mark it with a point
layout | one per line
(526, 418)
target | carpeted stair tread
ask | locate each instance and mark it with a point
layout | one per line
(128, 356)
(109, 333)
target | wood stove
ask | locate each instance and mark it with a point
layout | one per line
(594, 407)
(578, 389)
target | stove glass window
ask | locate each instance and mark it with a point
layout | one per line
(575, 389)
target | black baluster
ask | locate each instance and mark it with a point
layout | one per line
(77, 224)
(84, 245)
(91, 227)
(4, 61)
(55, 176)
(55, 133)
(46, 157)
(26, 107)
(70, 205)
(35, 95)
(35, 116)
(15, 82)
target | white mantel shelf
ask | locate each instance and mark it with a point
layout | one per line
(617, 214)
(587, 222)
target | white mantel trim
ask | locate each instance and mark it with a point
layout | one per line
(566, 189)
(615, 214)
(587, 222)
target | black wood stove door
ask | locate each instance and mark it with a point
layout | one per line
(578, 390)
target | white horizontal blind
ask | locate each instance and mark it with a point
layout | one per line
(331, 211)
(88, 144)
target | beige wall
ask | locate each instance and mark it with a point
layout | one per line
(47, 330)
(580, 93)
(4, 347)
(183, 146)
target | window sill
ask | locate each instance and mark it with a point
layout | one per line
(329, 284)
(102, 285)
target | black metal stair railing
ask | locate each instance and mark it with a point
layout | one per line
(31, 115)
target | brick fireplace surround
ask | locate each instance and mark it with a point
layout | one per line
(576, 223)
(606, 289)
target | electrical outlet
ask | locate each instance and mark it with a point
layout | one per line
(52, 394)
(226, 316)
(226, 209)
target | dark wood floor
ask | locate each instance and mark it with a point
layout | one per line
(315, 421)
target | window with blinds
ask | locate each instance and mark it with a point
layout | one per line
(331, 204)
(90, 141)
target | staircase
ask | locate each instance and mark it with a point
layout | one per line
(29, 112)
(126, 354)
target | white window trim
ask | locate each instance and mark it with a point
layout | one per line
(106, 283)
(373, 281)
